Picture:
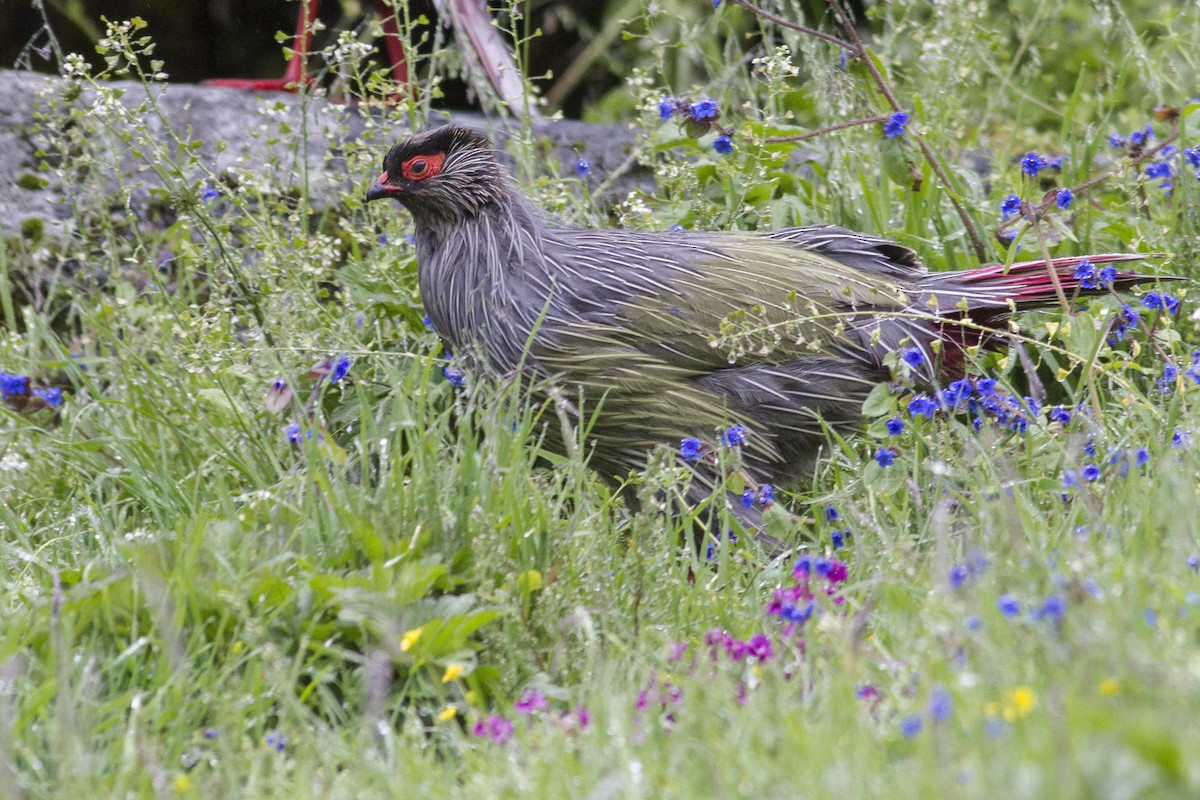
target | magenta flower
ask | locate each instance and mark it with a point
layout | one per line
(530, 702)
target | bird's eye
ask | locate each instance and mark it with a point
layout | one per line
(423, 166)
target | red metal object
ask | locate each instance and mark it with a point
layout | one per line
(296, 75)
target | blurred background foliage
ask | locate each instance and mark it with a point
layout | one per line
(585, 50)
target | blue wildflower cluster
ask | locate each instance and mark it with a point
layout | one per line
(1091, 278)
(895, 125)
(1127, 318)
(1010, 205)
(980, 398)
(699, 118)
(764, 496)
(734, 436)
(341, 368)
(17, 387)
(1032, 164)
(454, 375)
(1136, 139)
(705, 110)
(1158, 301)
(1064, 198)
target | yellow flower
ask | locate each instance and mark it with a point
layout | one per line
(471, 697)
(409, 639)
(448, 713)
(1109, 687)
(452, 672)
(182, 784)
(1021, 701)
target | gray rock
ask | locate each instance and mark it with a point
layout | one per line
(236, 130)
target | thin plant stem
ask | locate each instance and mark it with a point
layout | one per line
(800, 137)
(787, 23)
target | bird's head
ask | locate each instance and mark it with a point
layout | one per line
(446, 173)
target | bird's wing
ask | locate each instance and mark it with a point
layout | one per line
(703, 302)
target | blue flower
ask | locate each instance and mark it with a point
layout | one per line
(427, 322)
(1179, 439)
(1085, 273)
(689, 448)
(1106, 276)
(1060, 415)
(974, 623)
(1116, 140)
(1128, 318)
(985, 386)
(910, 726)
(666, 107)
(1053, 609)
(1056, 163)
(1192, 154)
(837, 539)
(1091, 472)
(766, 494)
(956, 393)
(583, 167)
(208, 194)
(895, 426)
(1008, 605)
(798, 614)
(276, 741)
(13, 385)
(52, 397)
(1032, 164)
(958, 575)
(1158, 169)
(895, 125)
(747, 500)
(723, 144)
(1193, 563)
(736, 435)
(831, 513)
(913, 357)
(1141, 457)
(1011, 205)
(455, 376)
(940, 705)
(1158, 301)
(1170, 375)
(1151, 616)
(340, 368)
(922, 406)
(884, 457)
(1142, 136)
(1064, 198)
(383, 238)
(292, 432)
(705, 109)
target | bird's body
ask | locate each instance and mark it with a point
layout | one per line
(668, 335)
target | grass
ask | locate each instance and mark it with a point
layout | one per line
(195, 605)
